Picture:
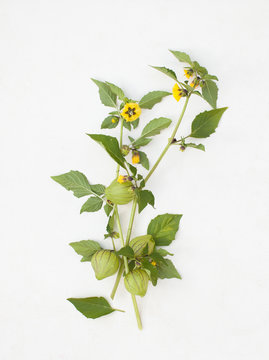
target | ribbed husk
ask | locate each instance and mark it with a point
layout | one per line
(120, 194)
(105, 263)
(140, 242)
(136, 282)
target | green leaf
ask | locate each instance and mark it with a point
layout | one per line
(98, 189)
(78, 183)
(126, 251)
(110, 224)
(108, 124)
(107, 97)
(116, 90)
(206, 123)
(133, 169)
(141, 142)
(182, 57)
(210, 77)
(210, 92)
(108, 209)
(111, 145)
(155, 126)
(163, 228)
(163, 252)
(135, 123)
(127, 125)
(152, 270)
(166, 71)
(92, 307)
(152, 98)
(86, 248)
(199, 146)
(200, 69)
(144, 161)
(156, 256)
(92, 204)
(167, 271)
(144, 197)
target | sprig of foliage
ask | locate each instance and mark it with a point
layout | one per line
(140, 260)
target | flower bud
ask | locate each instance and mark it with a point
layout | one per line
(139, 243)
(182, 148)
(105, 263)
(125, 150)
(135, 157)
(136, 282)
(120, 193)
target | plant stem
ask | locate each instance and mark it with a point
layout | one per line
(121, 238)
(120, 271)
(138, 319)
(169, 140)
(131, 221)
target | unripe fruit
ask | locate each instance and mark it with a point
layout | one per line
(125, 150)
(139, 243)
(120, 194)
(105, 263)
(136, 282)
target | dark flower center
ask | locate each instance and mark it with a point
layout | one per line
(130, 112)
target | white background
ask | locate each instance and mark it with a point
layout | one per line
(49, 51)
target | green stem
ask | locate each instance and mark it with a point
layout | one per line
(169, 141)
(138, 319)
(120, 271)
(121, 238)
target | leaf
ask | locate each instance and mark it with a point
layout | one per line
(206, 123)
(210, 92)
(166, 71)
(133, 169)
(86, 248)
(152, 98)
(126, 251)
(199, 146)
(92, 307)
(98, 189)
(127, 125)
(111, 145)
(144, 161)
(167, 271)
(141, 142)
(116, 90)
(108, 209)
(107, 97)
(108, 124)
(182, 57)
(145, 197)
(110, 224)
(163, 228)
(163, 252)
(135, 123)
(210, 77)
(152, 269)
(157, 257)
(78, 183)
(202, 71)
(155, 126)
(92, 204)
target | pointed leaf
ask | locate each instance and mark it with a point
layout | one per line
(166, 71)
(182, 57)
(199, 146)
(163, 228)
(206, 123)
(144, 161)
(168, 270)
(152, 98)
(86, 248)
(210, 92)
(76, 182)
(126, 251)
(108, 124)
(141, 142)
(92, 204)
(111, 145)
(92, 307)
(116, 90)
(155, 126)
(145, 197)
(107, 97)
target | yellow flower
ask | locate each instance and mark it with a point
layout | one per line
(114, 121)
(178, 92)
(195, 82)
(153, 263)
(188, 73)
(121, 179)
(135, 157)
(131, 111)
